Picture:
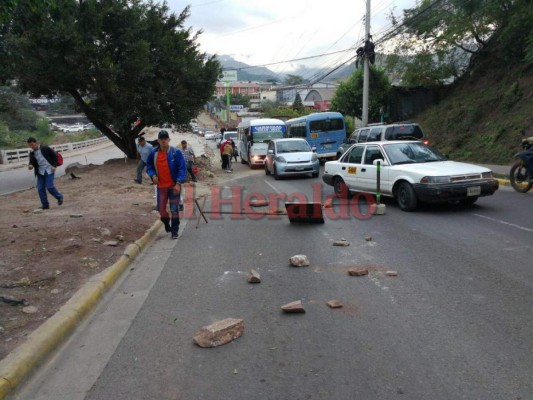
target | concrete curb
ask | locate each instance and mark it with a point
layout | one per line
(18, 364)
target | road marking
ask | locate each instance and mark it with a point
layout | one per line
(272, 186)
(505, 223)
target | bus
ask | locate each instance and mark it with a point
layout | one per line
(254, 135)
(323, 131)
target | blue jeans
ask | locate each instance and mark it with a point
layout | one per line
(170, 197)
(46, 182)
(140, 166)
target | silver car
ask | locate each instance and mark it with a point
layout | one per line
(291, 157)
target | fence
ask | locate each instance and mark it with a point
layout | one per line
(21, 155)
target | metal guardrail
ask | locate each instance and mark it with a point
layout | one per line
(20, 155)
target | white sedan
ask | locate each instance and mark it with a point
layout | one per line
(411, 172)
(210, 135)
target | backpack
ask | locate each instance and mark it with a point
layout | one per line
(59, 159)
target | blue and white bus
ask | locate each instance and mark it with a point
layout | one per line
(324, 131)
(254, 135)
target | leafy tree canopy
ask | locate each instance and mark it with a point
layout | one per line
(439, 38)
(292, 80)
(119, 59)
(348, 99)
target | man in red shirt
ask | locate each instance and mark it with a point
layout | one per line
(167, 168)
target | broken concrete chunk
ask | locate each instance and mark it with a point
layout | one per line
(29, 310)
(293, 307)
(299, 260)
(254, 277)
(258, 203)
(342, 242)
(334, 304)
(76, 215)
(391, 273)
(219, 333)
(113, 243)
(368, 238)
(358, 271)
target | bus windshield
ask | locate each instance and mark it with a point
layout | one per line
(263, 134)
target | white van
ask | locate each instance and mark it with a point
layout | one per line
(254, 136)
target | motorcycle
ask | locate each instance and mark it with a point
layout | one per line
(521, 174)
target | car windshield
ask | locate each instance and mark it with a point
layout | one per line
(408, 153)
(293, 146)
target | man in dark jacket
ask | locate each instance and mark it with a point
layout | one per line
(43, 160)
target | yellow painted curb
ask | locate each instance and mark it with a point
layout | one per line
(504, 182)
(20, 362)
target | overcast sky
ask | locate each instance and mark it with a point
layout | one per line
(260, 32)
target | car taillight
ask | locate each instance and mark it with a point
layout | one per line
(425, 141)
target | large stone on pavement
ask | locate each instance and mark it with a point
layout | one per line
(334, 304)
(219, 332)
(254, 277)
(358, 271)
(299, 260)
(293, 307)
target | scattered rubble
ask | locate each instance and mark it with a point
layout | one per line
(254, 277)
(358, 271)
(219, 333)
(299, 260)
(113, 243)
(29, 310)
(334, 304)
(368, 238)
(258, 203)
(342, 242)
(391, 273)
(293, 307)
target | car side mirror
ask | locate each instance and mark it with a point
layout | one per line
(270, 151)
(313, 149)
(382, 162)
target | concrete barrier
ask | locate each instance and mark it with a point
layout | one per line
(21, 155)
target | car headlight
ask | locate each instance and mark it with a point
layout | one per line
(486, 175)
(282, 159)
(314, 157)
(435, 179)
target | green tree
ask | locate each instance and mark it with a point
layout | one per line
(293, 80)
(348, 98)
(440, 39)
(16, 111)
(298, 105)
(238, 99)
(120, 60)
(64, 106)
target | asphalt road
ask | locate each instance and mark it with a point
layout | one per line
(455, 323)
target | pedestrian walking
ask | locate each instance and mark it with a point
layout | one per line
(44, 161)
(226, 148)
(167, 168)
(143, 151)
(190, 158)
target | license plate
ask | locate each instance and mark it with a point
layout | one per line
(327, 146)
(473, 191)
(299, 168)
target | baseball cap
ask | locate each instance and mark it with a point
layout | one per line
(163, 135)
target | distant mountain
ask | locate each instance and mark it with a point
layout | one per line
(260, 74)
(263, 74)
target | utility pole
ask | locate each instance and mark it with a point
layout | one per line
(366, 75)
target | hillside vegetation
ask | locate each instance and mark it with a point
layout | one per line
(485, 114)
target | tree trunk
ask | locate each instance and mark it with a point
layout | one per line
(124, 139)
